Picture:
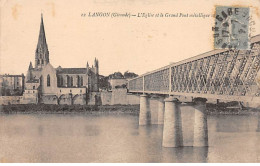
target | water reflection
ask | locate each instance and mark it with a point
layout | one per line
(200, 154)
(185, 154)
(236, 123)
(258, 124)
(40, 130)
(92, 130)
(119, 138)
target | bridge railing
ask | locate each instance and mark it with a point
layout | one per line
(220, 74)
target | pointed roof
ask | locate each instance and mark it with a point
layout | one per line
(96, 62)
(30, 66)
(42, 38)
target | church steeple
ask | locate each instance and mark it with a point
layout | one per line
(42, 52)
(29, 72)
(30, 66)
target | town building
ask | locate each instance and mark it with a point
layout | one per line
(49, 85)
(46, 84)
(11, 85)
(117, 83)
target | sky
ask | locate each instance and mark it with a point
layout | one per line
(135, 44)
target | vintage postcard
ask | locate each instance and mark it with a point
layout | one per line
(129, 81)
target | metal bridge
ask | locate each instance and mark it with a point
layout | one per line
(232, 75)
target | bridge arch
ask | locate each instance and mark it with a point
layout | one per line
(49, 99)
(65, 99)
(78, 99)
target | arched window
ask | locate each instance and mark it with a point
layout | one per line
(78, 81)
(42, 61)
(48, 80)
(41, 81)
(38, 62)
(68, 81)
(71, 78)
(61, 81)
(81, 81)
(58, 80)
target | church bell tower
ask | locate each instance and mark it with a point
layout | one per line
(42, 52)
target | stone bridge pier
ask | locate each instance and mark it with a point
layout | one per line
(145, 115)
(169, 114)
(172, 129)
(145, 112)
(200, 123)
(161, 108)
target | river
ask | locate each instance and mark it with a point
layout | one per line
(112, 137)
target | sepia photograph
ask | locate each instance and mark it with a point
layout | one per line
(129, 81)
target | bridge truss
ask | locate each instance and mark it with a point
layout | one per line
(219, 74)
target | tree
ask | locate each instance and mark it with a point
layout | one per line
(128, 75)
(103, 82)
(116, 75)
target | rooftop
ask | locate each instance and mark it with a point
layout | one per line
(71, 70)
(10, 75)
(33, 81)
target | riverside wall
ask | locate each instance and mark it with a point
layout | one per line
(119, 96)
(115, 97)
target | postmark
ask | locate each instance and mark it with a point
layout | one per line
(231, 29)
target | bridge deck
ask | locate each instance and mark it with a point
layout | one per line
(218, 74)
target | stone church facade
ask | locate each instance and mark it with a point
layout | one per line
(49, 85)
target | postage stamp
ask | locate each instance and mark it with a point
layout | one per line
(231, 29)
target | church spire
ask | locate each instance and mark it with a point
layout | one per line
(30, 66)
(42, 52)
(29, 72)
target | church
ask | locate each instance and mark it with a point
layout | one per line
(49, 85)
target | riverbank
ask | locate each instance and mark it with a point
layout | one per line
(62, 109)
(230, 108)
(212, 109)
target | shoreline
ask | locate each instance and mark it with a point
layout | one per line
(67, 109)
(212, 109)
